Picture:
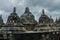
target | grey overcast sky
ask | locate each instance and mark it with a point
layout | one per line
(52, 7)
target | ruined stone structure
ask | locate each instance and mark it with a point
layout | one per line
(13, 19)
(17, 28)
(1, 21)
(28, 22)
(28, 19)
(44, 18)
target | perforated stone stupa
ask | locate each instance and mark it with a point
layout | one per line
(27, 17)
(13, 18)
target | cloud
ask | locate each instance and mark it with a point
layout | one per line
(52, 7)
(4, 15)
